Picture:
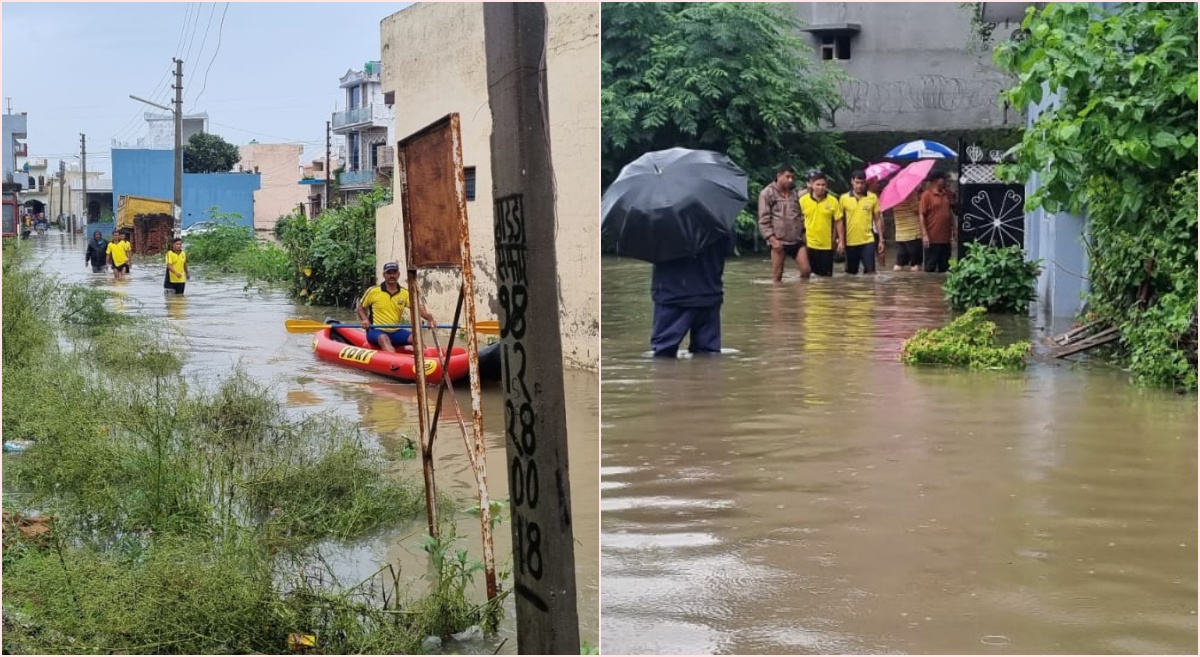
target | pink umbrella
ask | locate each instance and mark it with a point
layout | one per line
(904, 183)
(881, 170)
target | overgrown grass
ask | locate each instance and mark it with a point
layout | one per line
(185, 518)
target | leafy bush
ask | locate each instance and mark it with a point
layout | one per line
(219, 245)
(969, 341)
(998, 279)
(333, 255)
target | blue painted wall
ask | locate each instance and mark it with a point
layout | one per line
(139, 172)
(231, 192)
(1058, 240)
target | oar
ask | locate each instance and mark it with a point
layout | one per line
(491, 327)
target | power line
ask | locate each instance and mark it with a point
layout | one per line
(192, 35)
(286, 139)
(220, 32)
(183, 30)
(207, 27)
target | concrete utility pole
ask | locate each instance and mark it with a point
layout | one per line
(62, 208)
(328, 163)
(178, 147)
(527, 278)
(83, 153)
(177, 112)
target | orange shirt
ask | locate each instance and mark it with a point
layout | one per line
(939, 216)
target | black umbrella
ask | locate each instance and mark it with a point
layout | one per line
(672, 204)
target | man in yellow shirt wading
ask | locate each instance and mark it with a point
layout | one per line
(177, 270)
(385, 304)
(117, 254)
(822, 223)
(863, 222)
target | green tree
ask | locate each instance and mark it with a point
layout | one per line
(1119, 142)
(729, 77)
(205, 153)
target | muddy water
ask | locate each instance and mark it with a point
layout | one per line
(810, 494)
(221, 325)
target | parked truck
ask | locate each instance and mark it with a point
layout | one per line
(131, 207)
(147, 222)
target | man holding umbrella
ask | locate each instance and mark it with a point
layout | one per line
(688, 293)
(676, 209)
(781, 224)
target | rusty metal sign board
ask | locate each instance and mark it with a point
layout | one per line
(433, 194)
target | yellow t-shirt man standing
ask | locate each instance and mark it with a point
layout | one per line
(177, 269)
(861, 209)
(822, 220)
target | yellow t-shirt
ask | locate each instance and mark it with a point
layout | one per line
(908, 220)
(860, 218)
(178, 261)
(119, 252)
(383, 306)
(818, 220)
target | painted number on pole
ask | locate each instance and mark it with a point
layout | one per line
(529, 552)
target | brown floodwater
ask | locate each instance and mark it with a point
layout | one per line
(222, 324)
(805, 492)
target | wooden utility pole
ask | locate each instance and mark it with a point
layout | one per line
(527, 280)
(328, 163)
(178, 147)
(83, 155)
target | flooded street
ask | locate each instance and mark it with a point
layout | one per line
(808, 493)
(222, 325)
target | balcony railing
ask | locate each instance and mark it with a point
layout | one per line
(358, 178)
(355, 116)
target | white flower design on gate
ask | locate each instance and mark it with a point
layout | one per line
(995, 226)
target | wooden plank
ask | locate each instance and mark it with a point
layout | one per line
(1070, 335)
(1102, 338)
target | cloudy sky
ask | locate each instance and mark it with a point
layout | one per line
(266, 71)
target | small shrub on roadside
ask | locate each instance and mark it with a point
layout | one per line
(998, 279)
(969, 341)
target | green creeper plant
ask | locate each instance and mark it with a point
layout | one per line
(969, 341)
(1119, 142)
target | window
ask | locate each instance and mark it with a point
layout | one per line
(354, 151)
(354, 99)
(835, 47)
(469, 180)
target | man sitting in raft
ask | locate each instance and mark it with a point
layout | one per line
(385, 304)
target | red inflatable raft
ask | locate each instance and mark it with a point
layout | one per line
(350, 347)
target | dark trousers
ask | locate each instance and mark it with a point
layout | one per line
(937, 258)
(863, 254)
(672, 323)
(821, 261)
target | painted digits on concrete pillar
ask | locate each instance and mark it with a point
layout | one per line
(519, 415)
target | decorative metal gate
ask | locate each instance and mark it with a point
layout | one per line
(990, 210)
